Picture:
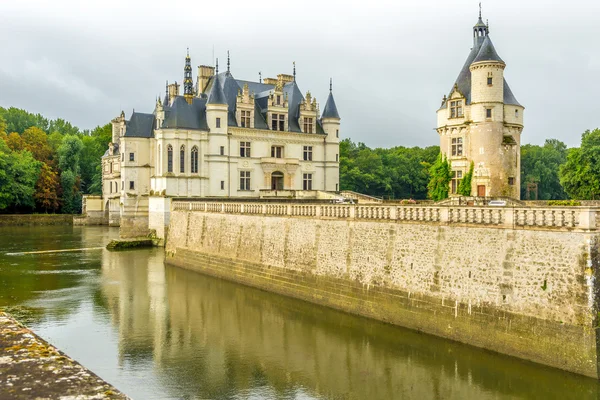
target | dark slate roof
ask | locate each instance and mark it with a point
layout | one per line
(216, 94)
(330, 110)
(182, 115)
(140, 125)
(487, 52)
(482, 51)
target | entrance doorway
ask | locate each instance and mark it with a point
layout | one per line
(277, 180)
(481, 190)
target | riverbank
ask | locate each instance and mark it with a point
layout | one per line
(32, 368)
(35, 219)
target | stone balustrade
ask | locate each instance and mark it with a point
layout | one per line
(578, 218)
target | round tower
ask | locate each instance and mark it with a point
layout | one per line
(330, 120)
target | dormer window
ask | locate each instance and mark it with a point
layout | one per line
(245, 119)
(278, 100)
(456, 109)
(308, 125)
(278, 122)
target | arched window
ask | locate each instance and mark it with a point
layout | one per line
(182, 159)
(194, 159)
(169, 158)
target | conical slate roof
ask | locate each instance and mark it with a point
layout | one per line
(487, 52)
(330, 110)
(216, 95)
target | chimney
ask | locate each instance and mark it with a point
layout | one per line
(204, 74)
(173, 91)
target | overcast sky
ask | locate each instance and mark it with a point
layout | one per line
(391, 61)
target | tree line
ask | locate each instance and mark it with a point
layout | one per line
(548, 172)
(46, 165)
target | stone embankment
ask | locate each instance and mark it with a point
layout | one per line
(30, 368)
(35, 219)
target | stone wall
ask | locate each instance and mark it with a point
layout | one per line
(36, 219)
(526, 292)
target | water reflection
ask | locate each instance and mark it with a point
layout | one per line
(163, 332)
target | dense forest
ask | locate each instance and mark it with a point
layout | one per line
(46, 166)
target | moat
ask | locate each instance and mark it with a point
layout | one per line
(160, 332)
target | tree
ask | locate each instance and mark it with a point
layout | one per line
(46, 189)
(18, 120)
(69, 155)
(94, 146)
(36, 141)
(18, 175)
(580, 175)
(464, 188)
(440, 176)
(15, 142)
(540, 165)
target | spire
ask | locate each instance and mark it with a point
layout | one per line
(228, 61)
(216, 95)
(294, 71)
(330, 110)
(480, 30)
(259, 77)
(167, 100)
(188, 82)
(217, 68)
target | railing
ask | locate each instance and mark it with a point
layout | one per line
(581, 218)
(365, 198)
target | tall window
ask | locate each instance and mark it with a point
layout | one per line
(516, 113)
(488, 113)
(337, 133)
(456, 109)
(278, 122)
(307, 181)
(244, 180)
(131, 185)
(277, 151)
(308, 125)
(457, 147)
(131, 157)
(244, 149)
(222, 185)
(194, 159)
(245, 122)
(456, 178)
(222, 150)
(307, 153)
(182, 159)
(169, 158)
(218, 122)
(159, 160)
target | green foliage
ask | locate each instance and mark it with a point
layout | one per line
(439, 182)
(540, 165)
(569, 203)
(18, 175)
(18, 120)
(71, 199)
(580, 175)
(397, 172)
(69, 154)
(94, 147)
(464, 188)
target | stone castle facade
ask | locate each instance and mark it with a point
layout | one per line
(223, 137)
(481, 121)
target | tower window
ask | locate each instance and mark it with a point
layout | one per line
(218, 122)
(194, 159)
(511, 180)
(456, 178)
(222, 150)
(488, 113)
(456, 109)
(457, 147)
(244, 149)
(182, 159)
(489, 81)
(307, 153)
(337, 133)
(516, 113)
(131, 157)
(222, 185)
(244, 180)
(169, 158)
(131, 185)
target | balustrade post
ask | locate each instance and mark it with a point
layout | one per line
(587, 219)
(507, 217)
(264, 209)
(444, 215)
(352, 212)
(318, 209)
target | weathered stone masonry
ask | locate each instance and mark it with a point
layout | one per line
(516, 281)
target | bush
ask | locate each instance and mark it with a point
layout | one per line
(571, 203)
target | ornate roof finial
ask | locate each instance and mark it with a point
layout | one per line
(330, 85)
(479, 10)
(188, 52)
(228, 63)
(217, 67)
(259, 77)
(294, 71)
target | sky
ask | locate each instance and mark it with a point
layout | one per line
(391, 61)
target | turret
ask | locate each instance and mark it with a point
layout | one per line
(487, 83)
(330, 119)
(118, 127)
(216, 106)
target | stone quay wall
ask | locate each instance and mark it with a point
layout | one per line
(519, 281)
(35, 219)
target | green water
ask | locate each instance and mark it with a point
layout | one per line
(160, 332)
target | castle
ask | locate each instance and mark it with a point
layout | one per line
(223, 137)
(480, 122)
